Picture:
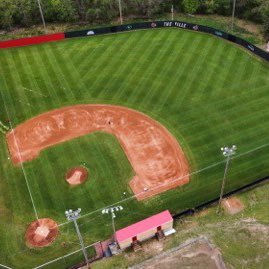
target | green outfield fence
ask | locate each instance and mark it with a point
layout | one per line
(136, 26)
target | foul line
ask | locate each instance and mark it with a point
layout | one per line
(22, 166)
(62, 257)
(142, 192)
(167, 183)
(5, 266)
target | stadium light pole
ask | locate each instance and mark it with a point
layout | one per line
(41, 13)
(172, 12)
(74, 215)
(120, 9)
(228, 153)
(234, 4)
(113, 215)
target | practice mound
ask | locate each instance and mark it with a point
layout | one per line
(41, 233)
(76, 175)
(232, 205)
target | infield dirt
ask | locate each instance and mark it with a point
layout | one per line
(155, 155)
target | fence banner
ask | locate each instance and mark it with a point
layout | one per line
(136, 26)
(31, 40)
(169, 24)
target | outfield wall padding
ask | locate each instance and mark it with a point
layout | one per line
(136, 26)
(169, 24)
(31, 40)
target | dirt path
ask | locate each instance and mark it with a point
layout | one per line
(197, 253)
(154, 153)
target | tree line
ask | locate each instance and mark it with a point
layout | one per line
(15, 13)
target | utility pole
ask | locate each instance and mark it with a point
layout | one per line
(120, 9)
(113, 215)
(74, 215)
(228, 153)
(41, 13)
(234, 4)
(172, 12)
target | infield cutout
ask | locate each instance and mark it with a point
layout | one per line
(76, 175)
(155, 155)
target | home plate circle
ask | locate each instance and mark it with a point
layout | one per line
(41, 233)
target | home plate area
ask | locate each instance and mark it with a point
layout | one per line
(41, 233)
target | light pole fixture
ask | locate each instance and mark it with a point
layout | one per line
(172, 12)
(120, 10)
(234, 4)
(73, 215)
(111, 210)
(227, 152)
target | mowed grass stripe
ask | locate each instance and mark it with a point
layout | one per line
(136, 78)
(172, 84)
(56, 91)
(185, 74)
(212, 80)
(22, 78)
(33, 92)
(107, 72)
(72, 72)
(10, 101)
(66, 77)
(165, 71)
(43, 85)
(175, 88)
(145, 83)
(129, 69)
(114, 70)
(133, 71)
(59, 79)
(45, 77)
(194, 70)
(98, 61)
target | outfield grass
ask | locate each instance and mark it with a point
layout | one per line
(206, 91)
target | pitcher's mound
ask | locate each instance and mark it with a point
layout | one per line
(41, 233)
(76, 175)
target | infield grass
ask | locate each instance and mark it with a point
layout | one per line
(205, 91)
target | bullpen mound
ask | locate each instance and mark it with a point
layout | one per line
(41, 233)
(76, 175)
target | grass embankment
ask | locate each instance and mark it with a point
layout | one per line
(242, 239)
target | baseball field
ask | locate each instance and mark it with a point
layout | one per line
(206, 92)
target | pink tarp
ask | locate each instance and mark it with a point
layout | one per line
(143, 226)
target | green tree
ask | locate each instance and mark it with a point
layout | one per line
(59, 10)
(191, 6)
(7, 11)
(264, 11)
